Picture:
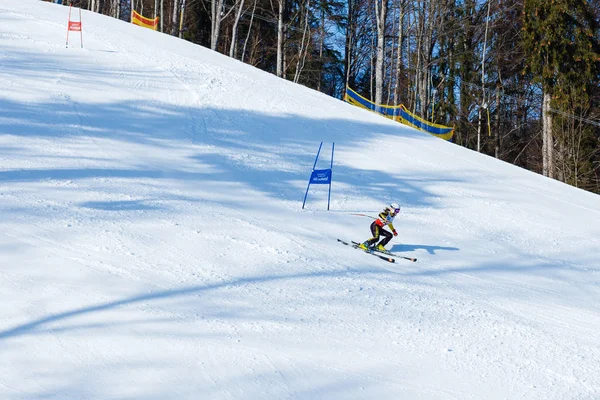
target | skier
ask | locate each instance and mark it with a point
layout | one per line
(386, 217)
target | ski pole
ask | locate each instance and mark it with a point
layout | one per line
(363, 215)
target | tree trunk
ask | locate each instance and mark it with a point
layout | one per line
(547, 138)
(234, 30)
(381, 16)
(249, 30)
(390, 57)
(181, 17)
(303, 45)
(479, 121)
(400, 54)
(174, 18)
(482, 104)
(321, 44)
(216, 8)
(466, 68)
(497, 141)
(420, 21)
(410, 101)
(348, 45)
(280, 38)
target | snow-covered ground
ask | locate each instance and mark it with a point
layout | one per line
(153, 244)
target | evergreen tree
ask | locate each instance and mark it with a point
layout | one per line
(560, 41)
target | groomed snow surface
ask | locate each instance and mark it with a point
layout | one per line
(153, 244)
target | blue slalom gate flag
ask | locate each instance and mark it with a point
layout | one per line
(321, 177)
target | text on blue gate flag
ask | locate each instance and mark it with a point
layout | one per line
(321, 176)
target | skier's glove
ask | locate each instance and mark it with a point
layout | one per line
(395, 233)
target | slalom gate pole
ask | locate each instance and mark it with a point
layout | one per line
(331, 178)
(314, 165)
(74, 26)
(81, 29)
(317, 157)
(68, 26)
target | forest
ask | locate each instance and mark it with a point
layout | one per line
(519, 80)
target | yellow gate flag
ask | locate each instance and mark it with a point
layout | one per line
(140, 20)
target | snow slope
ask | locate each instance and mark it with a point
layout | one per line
(153, 245)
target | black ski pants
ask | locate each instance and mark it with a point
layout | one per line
(378, 231)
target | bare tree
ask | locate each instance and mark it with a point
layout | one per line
(174, 14)
(482, 104)
(280, 38)
(381, 8)
(233, 48)
(400, 51)
(182, 16)
(249, 30)
(304, 43)
(218, 14)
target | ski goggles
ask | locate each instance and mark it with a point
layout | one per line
(396, 211)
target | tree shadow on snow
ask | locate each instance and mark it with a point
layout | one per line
(47, 323)
(272, 153)
(263, 152)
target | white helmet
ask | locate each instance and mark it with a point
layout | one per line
(394, 207)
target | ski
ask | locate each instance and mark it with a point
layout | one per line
(388, 253)
(388, 259)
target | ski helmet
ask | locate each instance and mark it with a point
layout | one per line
(394, 207)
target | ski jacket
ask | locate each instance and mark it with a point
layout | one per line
(385, 218)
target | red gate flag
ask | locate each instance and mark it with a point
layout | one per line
(140, 20)
(74, 26)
